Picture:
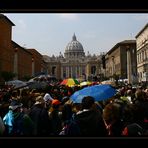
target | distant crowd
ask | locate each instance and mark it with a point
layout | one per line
(50, 112)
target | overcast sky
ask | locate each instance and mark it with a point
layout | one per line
(49, 33)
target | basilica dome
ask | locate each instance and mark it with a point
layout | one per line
(74, 48)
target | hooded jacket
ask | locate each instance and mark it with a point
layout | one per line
(91, 123)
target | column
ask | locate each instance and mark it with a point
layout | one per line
(71, 71)
(129, 74)
(76, 72)
(79, 71)
(87, 71)
(66, 71)
(16, 63)
(61, 72)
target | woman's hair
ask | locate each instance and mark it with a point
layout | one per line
(111, 112)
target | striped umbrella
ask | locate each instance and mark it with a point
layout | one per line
(69, 82)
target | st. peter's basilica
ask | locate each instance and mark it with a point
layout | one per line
(74, 63)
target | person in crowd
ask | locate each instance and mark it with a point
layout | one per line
(112, 117)
(14, 95)
(16, 122)
(129, 95)
(90, 120)
(70, 127)
(25, 100)
(133, 121)
(141, 101)
(48, 100)
(40, 118)
(55, 117)
(2, 127)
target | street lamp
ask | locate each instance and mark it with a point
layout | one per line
(33, 70)
(113, 66)
(16, 49)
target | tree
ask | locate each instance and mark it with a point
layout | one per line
(6, 76)
(103, 62)
(26, 78)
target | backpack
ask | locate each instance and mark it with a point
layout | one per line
(71, 128)
(133, 129)
(18, 129)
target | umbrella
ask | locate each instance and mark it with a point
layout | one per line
(85, 83)
(99, 92)
(69, 82)
(37, 85)
(17, 83)
(108, 82)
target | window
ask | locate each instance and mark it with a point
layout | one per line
(53, 70)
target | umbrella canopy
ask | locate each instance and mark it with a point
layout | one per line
(85, 83)
(43, 78)
(108, 82)
(37, 85)
(99, 92)
(17, 83)
(69, 82)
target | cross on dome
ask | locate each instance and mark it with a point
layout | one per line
(74, 37)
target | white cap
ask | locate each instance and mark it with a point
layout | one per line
(47, 97)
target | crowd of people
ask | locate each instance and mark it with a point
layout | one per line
(50, 112)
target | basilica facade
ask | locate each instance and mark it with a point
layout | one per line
(74, 63)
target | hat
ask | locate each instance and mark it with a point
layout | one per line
(39, 100)
(15, 104)
(55, 102)
(47, 97)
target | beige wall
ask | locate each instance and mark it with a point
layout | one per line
(142, 55)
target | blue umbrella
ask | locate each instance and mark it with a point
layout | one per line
(99, 92)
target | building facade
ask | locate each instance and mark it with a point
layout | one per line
(14, 58)
(37, 62)
(121, 61)
(22, 61)
(7, 52)
(74, 63)
(142, 54)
